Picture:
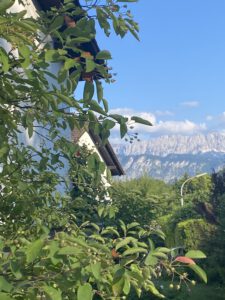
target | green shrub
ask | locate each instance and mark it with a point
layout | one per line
(168, 229)
(193, 233)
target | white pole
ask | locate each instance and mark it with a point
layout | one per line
(182, 186)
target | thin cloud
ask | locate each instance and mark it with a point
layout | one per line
(216, 123)
(160, 127)
(162, 113)
(222, 116)
(178, 127)
(190, 103)
(209, 118)
(127, 112)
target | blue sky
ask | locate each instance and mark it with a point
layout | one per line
(176, 75)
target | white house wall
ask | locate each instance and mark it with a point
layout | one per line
(86, 140)
(37, 141)
(28, 6)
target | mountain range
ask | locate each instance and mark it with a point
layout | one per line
(169, 157)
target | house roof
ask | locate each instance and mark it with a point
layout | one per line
(48, 4)
(106, 151)
(91, 46)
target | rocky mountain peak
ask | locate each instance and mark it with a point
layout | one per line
(170, 156)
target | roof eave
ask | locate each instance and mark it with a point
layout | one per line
(107, 154)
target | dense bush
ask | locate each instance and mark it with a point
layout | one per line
(193, 233)
(171, 222)
(199, 224)
(143, 199)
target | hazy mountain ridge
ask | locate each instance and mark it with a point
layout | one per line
(169, 157)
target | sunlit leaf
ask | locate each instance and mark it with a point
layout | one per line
(34, 250)
(85, 292)
(134, 250)
(201, 273)
(104, 54)
(5, 4)
(185, 260)
(141, 121)
(5, 286)
(88, 91)
(53, 293)
(195, 254)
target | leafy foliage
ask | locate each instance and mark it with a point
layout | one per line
(49, 248)
(143, 199)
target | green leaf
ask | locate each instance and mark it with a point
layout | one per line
(126, 288)
(4, 60)
(151, 260)
(105, 103)
(68, 250)
(99, 90)
(159, 254)
(108, 124)
(68, 100)
(88, 91)
(4, 150)
(104, 54)
(134, 250)
(62, 75)
(79, 40)
(90, 65)
(120, 119)
(53, 293)
(95, 226)
(160, 233)
(85, 292)
(97, 237)
(124, 242)
(80, 242)
(51, 55)
(102, 19)
(53, 248)
(118, 286)
(25, 53)
(27, 26)
(57, 22)
(154, 291)
(70, 63)
(133, 32)
(34, 250)
(110, 230)
(5, 4)
(96, 270)
(118, 282)
(30, 130)
(5, 286)
(132, 225)
(141, 121)
(4, 296)
(97, 108)
(123, 130)
(163, 249)
(195, 254)
(100, 210)
(201, 273)
(15, 267)
(123, 227)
